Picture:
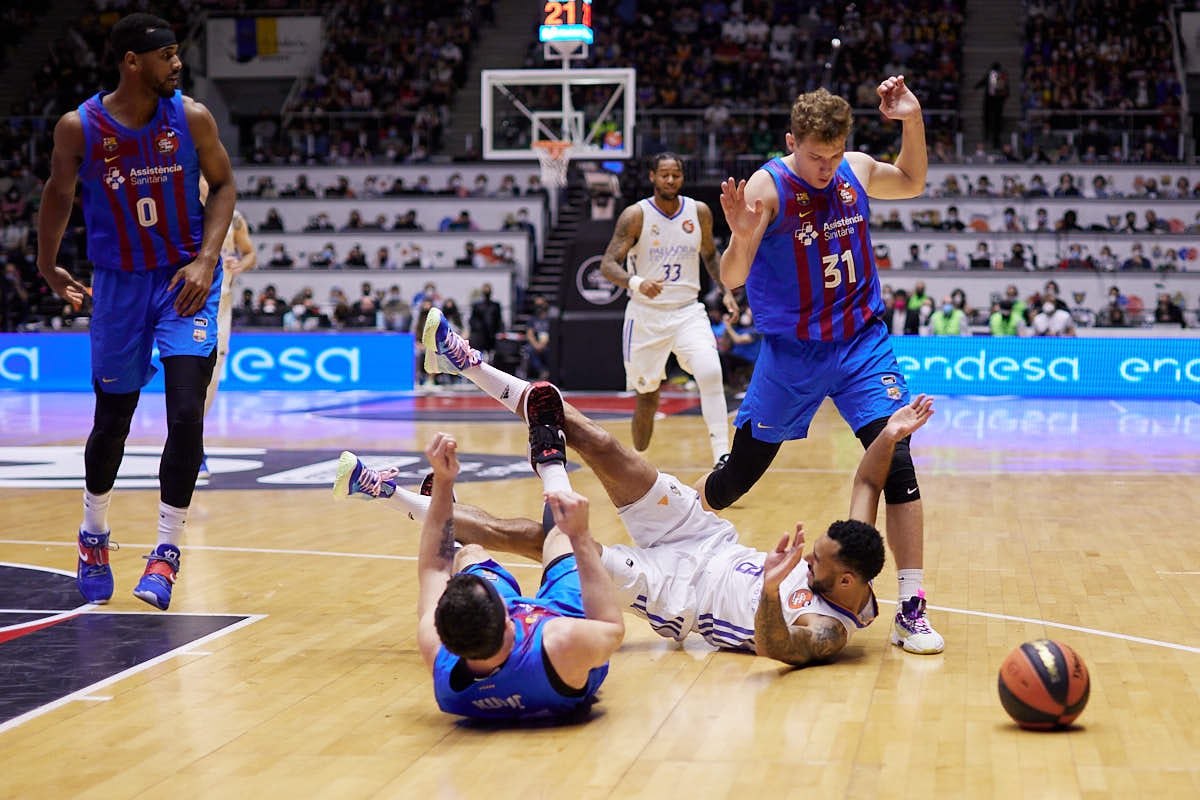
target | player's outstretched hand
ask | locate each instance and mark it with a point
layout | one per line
(910, 417)
(570, 511)
(742, 219)
(896, 100)
(784, 558)
(442, 453)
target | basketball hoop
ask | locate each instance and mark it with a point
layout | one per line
(554, 156)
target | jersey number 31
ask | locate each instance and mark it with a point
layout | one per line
(833, 275)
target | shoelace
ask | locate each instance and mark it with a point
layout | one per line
(370, 481)
(95, 560)
(173, 563)
(456, 349)
(916, 620)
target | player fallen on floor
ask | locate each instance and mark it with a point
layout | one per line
(687, 571)
(494, 652)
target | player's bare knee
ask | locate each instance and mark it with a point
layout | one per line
(470, 554)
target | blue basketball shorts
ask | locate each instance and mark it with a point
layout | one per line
(134, 311)
(560, 587)
(794, 376)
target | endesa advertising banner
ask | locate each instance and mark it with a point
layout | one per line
(1044, 367)
(277, 361)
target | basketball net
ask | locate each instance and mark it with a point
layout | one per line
(554, 157)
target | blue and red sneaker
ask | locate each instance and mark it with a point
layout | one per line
(159, 578)
(93, 575)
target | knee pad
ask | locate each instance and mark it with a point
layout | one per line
(901, 485)
(106, 443)
(114, 412)
(186, 379)
(748, 460)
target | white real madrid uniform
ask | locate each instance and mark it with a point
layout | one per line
(225, 308)
(668, 248)
(690, 573)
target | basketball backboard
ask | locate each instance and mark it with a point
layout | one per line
(593, 109)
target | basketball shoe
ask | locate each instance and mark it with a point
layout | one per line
(445, 350)
(912, 631)
(546, 418)
(204, 471)
(159, 578)
(355, 479)
(93, 575)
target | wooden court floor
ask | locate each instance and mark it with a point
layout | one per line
(1074, 520)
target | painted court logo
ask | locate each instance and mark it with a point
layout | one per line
(58, 467)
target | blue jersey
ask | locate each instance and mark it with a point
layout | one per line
(813, 276)
(521, 687)
(141, 191)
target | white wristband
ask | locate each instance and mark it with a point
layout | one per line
(635, 281)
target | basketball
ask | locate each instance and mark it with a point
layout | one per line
(1044, 685)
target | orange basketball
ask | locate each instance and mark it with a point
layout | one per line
(1044, 685)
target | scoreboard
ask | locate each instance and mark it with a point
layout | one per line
(569, 21)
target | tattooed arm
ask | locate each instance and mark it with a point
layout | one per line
(435, 557)
(815, 636)
(711, 257)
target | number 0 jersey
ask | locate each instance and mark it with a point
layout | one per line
(141, 194)
(668, 248)
(814, 274)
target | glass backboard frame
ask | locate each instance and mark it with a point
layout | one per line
(497, 96)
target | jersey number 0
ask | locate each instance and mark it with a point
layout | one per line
(147, 212)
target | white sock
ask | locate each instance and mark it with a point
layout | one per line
(500, 385)
(716, 419)
(412, 503)
(171, 522)
(712, 405)
(554, 478)
(95, 511)
(909, 582)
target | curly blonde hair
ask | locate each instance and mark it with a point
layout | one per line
(821, 115)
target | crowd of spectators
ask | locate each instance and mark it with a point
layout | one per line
(16, 18)
(1046, 312)
(756, 54)
(1086, 56)
(382, 88)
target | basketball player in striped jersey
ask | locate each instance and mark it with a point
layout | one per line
(237, 256)
(655, 253)
(139, 152)
(801, 246)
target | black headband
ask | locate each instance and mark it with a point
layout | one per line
(144, 40)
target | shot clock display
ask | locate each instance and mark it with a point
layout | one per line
(570, 21)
